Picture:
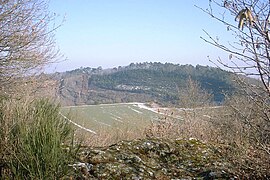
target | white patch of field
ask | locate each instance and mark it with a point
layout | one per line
(116, 119)
(158, 110)
(135, 110)
(104, 124)
(143, 106)
(79, 126)
(199, 108)
(115, 116)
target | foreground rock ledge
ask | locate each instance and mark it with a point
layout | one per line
(154, 159)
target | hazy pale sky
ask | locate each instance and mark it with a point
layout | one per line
(112, 33)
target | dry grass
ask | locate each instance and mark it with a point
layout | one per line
(219, 126)
(109, 135)
(224, 128)
(194, 123)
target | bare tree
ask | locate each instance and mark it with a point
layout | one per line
(248, 55)
(26, 42)
(193, 95)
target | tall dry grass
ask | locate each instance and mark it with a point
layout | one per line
(243, 125)
(109, 135)
(239, 128)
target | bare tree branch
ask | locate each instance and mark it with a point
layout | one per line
(27, 41)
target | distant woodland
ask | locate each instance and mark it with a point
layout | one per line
(143, 82)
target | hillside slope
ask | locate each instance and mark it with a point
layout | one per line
(142, 82)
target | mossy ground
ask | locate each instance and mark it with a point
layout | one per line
(155, 158)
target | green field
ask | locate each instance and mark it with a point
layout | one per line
(95, 117)
(129, 116)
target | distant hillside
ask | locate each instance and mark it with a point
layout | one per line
(141, 82)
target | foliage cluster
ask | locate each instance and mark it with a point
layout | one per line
(162, 80)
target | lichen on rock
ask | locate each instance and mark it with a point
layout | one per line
(155, 159)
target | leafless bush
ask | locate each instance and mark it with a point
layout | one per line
(193, 96)
(240, 125)
(165, 127)
(26, 43)
(245, 122)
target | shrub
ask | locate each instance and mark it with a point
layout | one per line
(36, 142)
(243, 124)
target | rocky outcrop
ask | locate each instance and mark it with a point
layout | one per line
(154, 159)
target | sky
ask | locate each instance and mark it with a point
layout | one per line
(112, 33)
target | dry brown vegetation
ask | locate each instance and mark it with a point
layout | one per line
(109, 135)
(237, 127)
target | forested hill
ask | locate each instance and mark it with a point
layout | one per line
(141, 82)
